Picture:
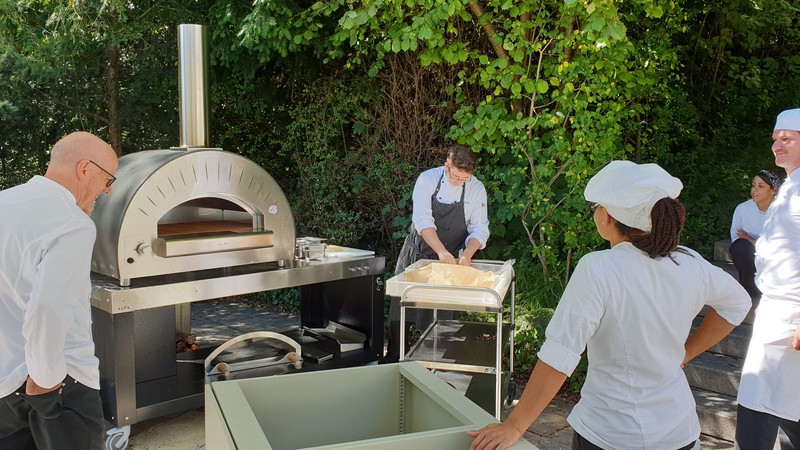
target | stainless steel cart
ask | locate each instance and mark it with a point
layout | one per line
(461, 346)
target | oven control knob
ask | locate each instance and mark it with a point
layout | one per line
(142, 248)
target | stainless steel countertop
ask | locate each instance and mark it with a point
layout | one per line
(175, 289)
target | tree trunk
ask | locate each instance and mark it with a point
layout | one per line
(112, 97)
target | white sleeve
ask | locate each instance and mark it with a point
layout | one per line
(736, 223)
(478, 220)
(422, 214)
(576, 318)
(725, 294)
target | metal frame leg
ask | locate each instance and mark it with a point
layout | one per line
(402, 350)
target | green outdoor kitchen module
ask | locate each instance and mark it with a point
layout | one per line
(387, 407)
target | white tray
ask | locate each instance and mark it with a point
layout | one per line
(447, 295)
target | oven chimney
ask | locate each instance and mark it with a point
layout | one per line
(193, 86)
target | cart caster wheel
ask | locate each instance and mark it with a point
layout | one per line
(117, 438)
(511, 394)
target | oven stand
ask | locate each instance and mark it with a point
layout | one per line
(134, 333)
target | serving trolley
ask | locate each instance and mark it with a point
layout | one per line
(462, 346)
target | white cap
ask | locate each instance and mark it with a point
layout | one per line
(788, 120)
(628, 191)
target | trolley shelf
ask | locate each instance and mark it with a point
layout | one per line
(466, 344)
(461, 346)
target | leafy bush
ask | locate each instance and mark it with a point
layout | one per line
(287, 300)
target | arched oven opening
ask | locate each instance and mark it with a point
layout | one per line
(209, 225)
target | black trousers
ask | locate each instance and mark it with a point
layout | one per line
(580, 443)
(757, 430)
(743, 254)
(70, 417)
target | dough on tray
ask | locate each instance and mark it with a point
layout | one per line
(451, 275)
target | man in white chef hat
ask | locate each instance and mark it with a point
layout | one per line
(631, 308)
(769, 397)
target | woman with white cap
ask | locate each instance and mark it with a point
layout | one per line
(631, 307)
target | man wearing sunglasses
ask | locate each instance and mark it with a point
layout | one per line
(49, 378)
(449, 217)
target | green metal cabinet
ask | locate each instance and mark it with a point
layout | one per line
(387, 407)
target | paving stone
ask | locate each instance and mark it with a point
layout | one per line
(184, 432)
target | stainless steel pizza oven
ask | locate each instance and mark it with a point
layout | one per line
(191, 207)
(193, 223)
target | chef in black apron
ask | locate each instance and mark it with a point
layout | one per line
(460, 228)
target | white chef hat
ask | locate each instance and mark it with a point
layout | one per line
(788, 120)
(628, 191)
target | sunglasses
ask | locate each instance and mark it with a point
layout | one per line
(111, 180)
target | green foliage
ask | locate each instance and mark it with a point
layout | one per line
(339, 193)
(547, 93)
(90, 65)
(287, 300)
(536, 299)
(741, 69)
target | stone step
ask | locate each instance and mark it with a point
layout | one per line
(717, 414)
(735, 343)
(715, 372)
(722, 251)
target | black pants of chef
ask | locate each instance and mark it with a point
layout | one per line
(580, 443)
(68, 418)
(743, 254)
(757, 430)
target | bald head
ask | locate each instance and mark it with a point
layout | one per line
(85, 165)
(80, 145)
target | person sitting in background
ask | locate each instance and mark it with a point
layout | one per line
(748, 220)
(631, 308)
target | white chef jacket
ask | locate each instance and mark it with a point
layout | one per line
(45, 316)
(475, 212)
(633, 314)
(772, 366)
(749, 218)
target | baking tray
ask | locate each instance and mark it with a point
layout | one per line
(455, 296)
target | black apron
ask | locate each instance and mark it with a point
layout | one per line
(451, 228)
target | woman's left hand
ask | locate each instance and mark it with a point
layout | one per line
(796, 340)
(497, 436)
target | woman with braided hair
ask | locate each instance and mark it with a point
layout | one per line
(631, 308)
